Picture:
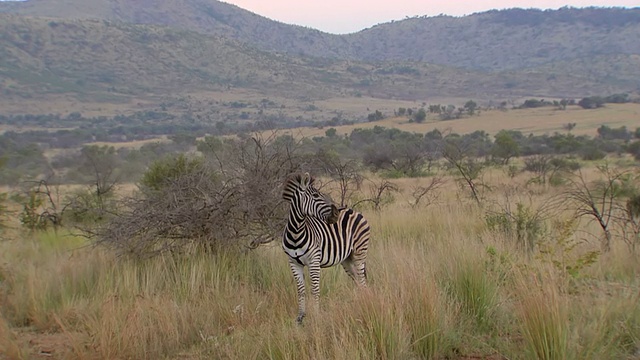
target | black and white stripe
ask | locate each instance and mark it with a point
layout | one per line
(319, 235)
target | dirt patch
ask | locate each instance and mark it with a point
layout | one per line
(53, 345)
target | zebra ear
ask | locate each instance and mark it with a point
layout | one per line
(305, 181)
(335, 214)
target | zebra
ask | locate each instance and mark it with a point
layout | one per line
(318, 235)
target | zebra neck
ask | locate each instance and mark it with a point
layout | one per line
(299, 225)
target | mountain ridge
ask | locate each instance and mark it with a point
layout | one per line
(491, 40)
(468, 57)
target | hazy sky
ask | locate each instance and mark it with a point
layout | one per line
(346, 16)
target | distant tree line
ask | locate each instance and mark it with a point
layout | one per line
(590, 102)
(393, 151)
(595, 16)
(396, 152)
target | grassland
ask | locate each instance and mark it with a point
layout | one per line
(537, 121)
(441, 286)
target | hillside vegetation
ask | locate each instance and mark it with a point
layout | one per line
(46, 56)
(191, 45)
(507, 39)
(203, 16)
(496, 40)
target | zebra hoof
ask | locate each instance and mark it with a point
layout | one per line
(300, 318)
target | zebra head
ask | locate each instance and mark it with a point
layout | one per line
(306, 200)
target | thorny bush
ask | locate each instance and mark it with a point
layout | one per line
(232, 197)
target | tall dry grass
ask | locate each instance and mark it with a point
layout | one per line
(441, 286)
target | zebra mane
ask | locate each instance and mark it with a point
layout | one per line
(297, 179)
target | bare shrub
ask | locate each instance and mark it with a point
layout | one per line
(42, 205)
(469, 168)
(562, 249)
(428, 194)
(517, 217)
(597, 200)
(549, 168)
(345, 173)
(232, 198)
(380, 193)
(628, 222)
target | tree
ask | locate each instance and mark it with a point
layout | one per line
(183, 140)
(376, 116)
(210, 145)
(547, 167)
(563, 104)
(470, 107)
(101, 164)
(345, 173)
(23, 158)
(42, 205)
(378, 156)
(331, 133)
(505, 147)
(426, 194)
(436, 109)
(634, 149)
(408, 153)
(164, 171)
(629, 219)
(420, 115)
(617, 98)
(448, 112)
(597, 200)
(102, 171)
(534, 103)
(380, 193)
(607, 133)
(456, 152)
(592, 102)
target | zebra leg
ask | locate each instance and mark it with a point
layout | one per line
(314, 275)
(359, 266)
(348, 266)
(298, 274)
(362, 273)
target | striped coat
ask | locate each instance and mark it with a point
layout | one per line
(319, 235)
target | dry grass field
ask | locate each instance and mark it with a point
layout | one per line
(546, 120)
(539, 121)
(442, 286)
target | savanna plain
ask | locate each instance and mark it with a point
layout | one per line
(515, 274)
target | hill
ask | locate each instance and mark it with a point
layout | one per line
(512, 39)
(45, 55)
(40, 55)
(203, 16)
(111, 51)
(494, 40)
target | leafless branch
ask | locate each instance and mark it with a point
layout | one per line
(233, 200)
(596, 200)
(427, 194)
